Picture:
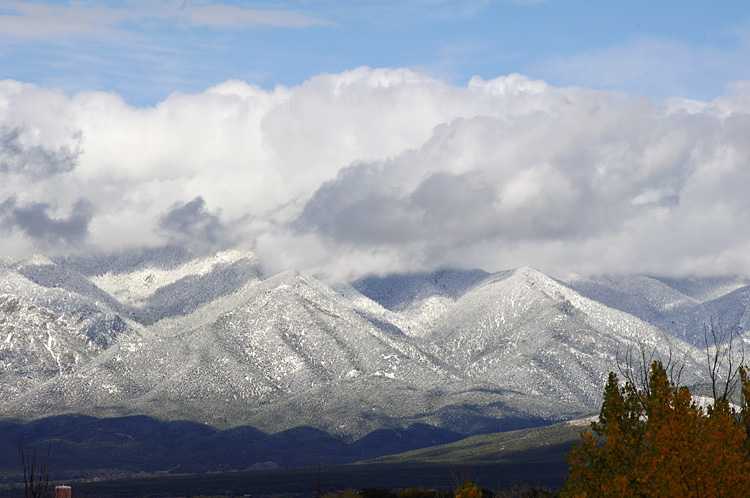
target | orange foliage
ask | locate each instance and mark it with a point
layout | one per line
(417, 493)
(468, 490)
(658, 442)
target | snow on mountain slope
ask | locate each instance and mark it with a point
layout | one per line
(137, 287)
(662, 305)
(46, 273)
(379, 316)
(633, 291)
(731, 311)
(128, 261)
(36, 345)
(151, 290)
(704, 289)
(68, 295)
(419, 300)
(646, 298)
(142, 290)
(207, 338)
(526, 332)
(399, 292)
(290, 334)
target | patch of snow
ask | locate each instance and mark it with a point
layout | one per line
(137, 287)
(582, 422)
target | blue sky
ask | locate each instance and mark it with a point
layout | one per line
(146, 50)
(348, 138)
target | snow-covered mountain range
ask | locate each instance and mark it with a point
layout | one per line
(212, 339)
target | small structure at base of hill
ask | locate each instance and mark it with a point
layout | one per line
(62, 492)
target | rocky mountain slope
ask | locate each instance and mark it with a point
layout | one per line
(210, 339)
(681, 307)
(37, 345)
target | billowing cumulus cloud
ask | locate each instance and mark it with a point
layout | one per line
(376, 170)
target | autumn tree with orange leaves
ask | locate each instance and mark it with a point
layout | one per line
(657, 441)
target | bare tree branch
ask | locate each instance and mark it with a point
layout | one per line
(36, 479)
(722, 359)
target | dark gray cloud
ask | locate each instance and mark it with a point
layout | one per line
(35, 161)
(35, 222)
(191, 223)
(361, 207)
(357, 208)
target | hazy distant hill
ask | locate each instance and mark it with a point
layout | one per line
(681, 307)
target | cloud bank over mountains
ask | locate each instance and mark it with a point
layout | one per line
(379, 170)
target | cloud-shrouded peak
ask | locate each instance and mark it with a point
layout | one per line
(375, 170)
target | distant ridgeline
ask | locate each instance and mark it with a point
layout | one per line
(207, 345)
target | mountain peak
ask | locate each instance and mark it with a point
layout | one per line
(217, 341)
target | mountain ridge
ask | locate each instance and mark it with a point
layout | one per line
(462, 351)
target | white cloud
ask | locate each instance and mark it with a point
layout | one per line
(230, 16)
(53, 20)
(382, 170)
(41, 20)
(466, 8)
